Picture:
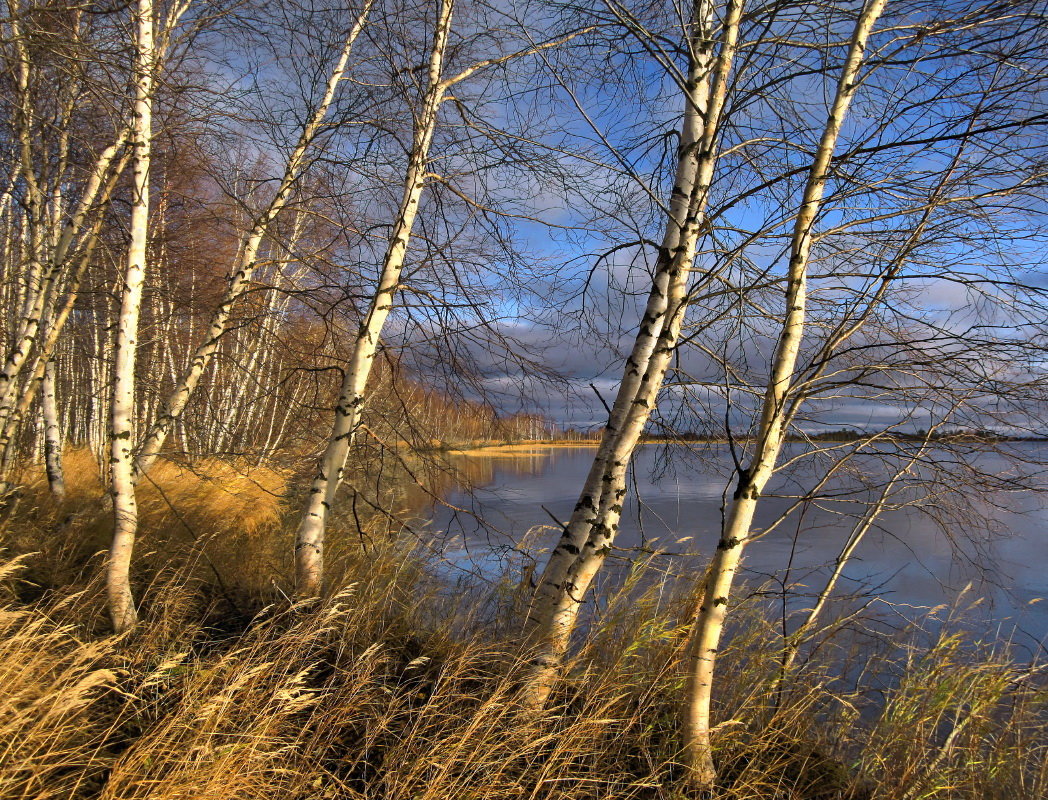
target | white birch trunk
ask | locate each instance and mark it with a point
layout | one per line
(594, 523)
(40, 299)
(29, 324)
(97, 409)
(713, 608)
(242, 402)
(10, 418)
(309, 539)
(122, 609)
(53, 438)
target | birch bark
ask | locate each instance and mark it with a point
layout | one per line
(593, 526)
(11, 415)
(309, 538)
(122, 609)
(30, 322)
(70, 242)
(52, 432)
(709, 623)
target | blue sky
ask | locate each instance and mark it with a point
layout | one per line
(600, 116)
(944, 283)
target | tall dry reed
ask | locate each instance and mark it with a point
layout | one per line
(400, 687)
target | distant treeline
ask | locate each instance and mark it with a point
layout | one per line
(839, 435)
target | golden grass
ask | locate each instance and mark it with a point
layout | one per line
(400, 687)
(224, 517)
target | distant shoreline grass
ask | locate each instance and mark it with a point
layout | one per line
(516, 448)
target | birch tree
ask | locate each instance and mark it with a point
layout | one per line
(64, 195)
(591, 530)
(871, 334)
(147, 60)
(55, 322)
(242, 273)
(709, 623)
(53, 437)
(309, 563)
(122, 610)
(365, 342)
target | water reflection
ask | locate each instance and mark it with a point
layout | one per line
(907, 557)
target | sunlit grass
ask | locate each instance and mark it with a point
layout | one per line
(401, 687)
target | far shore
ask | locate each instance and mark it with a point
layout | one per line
(534, 445)
(519, 448)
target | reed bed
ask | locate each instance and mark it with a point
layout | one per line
(401, 686)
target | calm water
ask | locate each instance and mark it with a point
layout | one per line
(907, 559)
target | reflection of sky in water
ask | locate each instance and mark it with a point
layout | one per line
(906, 559)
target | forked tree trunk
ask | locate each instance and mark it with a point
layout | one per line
(713, 608)
(122, 609)
(593, 526)
(309, 538)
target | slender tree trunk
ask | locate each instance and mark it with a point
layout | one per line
(55, 324)
(52, 432)
(713, 608)
(96, 409)
(594, 523)
(257, 352)
(29, 324)
(309, 540)
(122, 424)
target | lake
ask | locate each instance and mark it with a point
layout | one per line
(917, 556)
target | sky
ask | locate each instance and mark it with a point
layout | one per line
(572, 152)
(929, 122)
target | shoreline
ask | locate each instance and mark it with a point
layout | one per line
(516, 448)
(523, 447)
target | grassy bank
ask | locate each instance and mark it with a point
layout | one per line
(400, 685)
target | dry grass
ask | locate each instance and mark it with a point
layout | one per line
(221, 517)
(400, 687)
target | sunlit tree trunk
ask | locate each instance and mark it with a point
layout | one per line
(36, 281)
(309, 543)
(243, 424)
(591, 530)
(309, 540)
(37, 304)
(55, 324)
(42, 323)
(98, 406)
(52, 432)
(713, 608)
(122, 609)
